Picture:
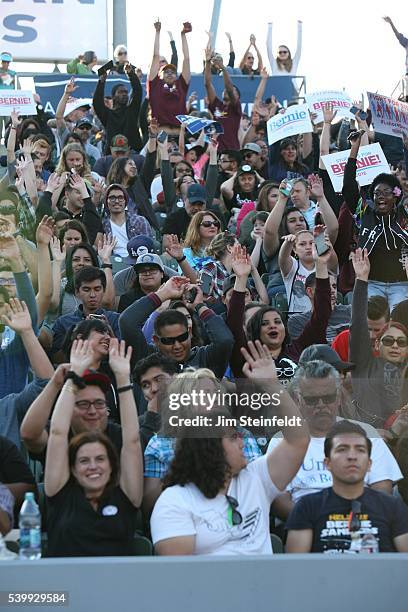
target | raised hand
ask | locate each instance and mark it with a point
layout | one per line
(45, 231)
(228, 35)
(328, 112)
(241, 261)
(315, 186)
(18, 316)
(106, 247)
(173, 288)
(361, 264)
(77, 182)
(157, 26)
(153, 127)
(82, 356)
(199, 298)
(58, 378)
(174, 248)
(129, 69)
(15, 118)
(58, 253)
(187, 27)
(252, 40)
(264, 73)
(259, 362)
(54, 181)
(27, 147)
(119, 358)
(213, 145)
(70, 87)
(388, 20)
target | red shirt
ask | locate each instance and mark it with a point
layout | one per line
(166, 102)
(229, 115)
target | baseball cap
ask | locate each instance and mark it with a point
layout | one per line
(83, 121)
(137, 246)
(252, 146)
(119, 143)
(168, 67)
(148, 259)
(98, 379)
(6, 57)
(245, 169)
(287, 142)
(324, 352)
(196, 193)
(84, 103)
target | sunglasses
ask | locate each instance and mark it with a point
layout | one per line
(390, 341)
(234, 517)
(122, 53)
(210, 224)
(354, 523)
(314, 401)
(283, 52)
(173, 340)
(84, 127)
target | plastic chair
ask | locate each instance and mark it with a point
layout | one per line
(277, 545)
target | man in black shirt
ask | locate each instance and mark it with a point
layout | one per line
(321, 522)
(178, 222)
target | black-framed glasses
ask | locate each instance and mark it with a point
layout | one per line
(379, 192)
(330, 398)
(234, 516)
(119, 199)
(84, 405)
(390, 341)
(354, 523)
(210, 224)
(172, 340)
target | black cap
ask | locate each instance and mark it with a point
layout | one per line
(324, 352)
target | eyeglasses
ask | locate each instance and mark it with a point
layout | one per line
(174, 339)
(148, 270)
(84, 405)
(390, 341)
(122, 53)
(116, 198)
(379, 192)
(354, 523)
(315, 400)
(234, 517)
(210, 224)
(226, 161)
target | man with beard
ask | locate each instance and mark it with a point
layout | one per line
(316, 386)
(123, 118)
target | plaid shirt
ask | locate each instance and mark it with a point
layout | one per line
(28, 221)
(7, 502)
(160, 452)
(219, 273)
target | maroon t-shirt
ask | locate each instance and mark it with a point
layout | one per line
(230, 118)
(166, 102)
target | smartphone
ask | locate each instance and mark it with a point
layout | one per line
(206, 282)
(191, 294)
(355, 109)
(287, 190)
(104, 69)
(320, 242)
(162, 137)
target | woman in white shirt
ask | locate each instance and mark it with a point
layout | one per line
(213, 502)
(284, 64)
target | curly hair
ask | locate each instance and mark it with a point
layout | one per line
(193, 238)
(200, 461)
(62, 164)
(388, 179)
(218, 245)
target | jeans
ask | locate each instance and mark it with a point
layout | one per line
(394, 292)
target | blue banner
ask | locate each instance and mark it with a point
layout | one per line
(50, 88)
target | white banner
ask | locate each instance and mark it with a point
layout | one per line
(54, 31)
(389, 116)
(16, 99)
(340, 100)
(371, 161)
(295, 120)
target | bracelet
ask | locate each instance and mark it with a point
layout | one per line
(123, 389)
(198, 306)
(77, 380)
(13, 128)
(182, 259)
(105, 265)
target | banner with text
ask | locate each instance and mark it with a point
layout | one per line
(389, 116)
(16, 99)
(371, 161)
(294, 120)
(340, 100)
(50, 87)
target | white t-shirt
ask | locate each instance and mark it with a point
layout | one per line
(185, 511)
(119, 232)
(313, 476)
(295, 287)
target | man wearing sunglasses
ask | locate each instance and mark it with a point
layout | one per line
(171, 335)
(317, 385)
(323, 522)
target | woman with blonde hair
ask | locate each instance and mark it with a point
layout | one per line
(72, 161)
(203, 227)
(284, 64)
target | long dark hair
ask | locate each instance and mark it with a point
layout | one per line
(83, 330)
(90, 437)
(68, 266)
(283, 227)
(254, 325)
(200, 461)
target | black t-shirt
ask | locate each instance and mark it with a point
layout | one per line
(126, 299)
(327, 514)
(75, 529)
(177, 223)
(13, 467)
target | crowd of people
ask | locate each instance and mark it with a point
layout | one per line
(140, 263)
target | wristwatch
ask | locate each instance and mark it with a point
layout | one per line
(198, 306)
